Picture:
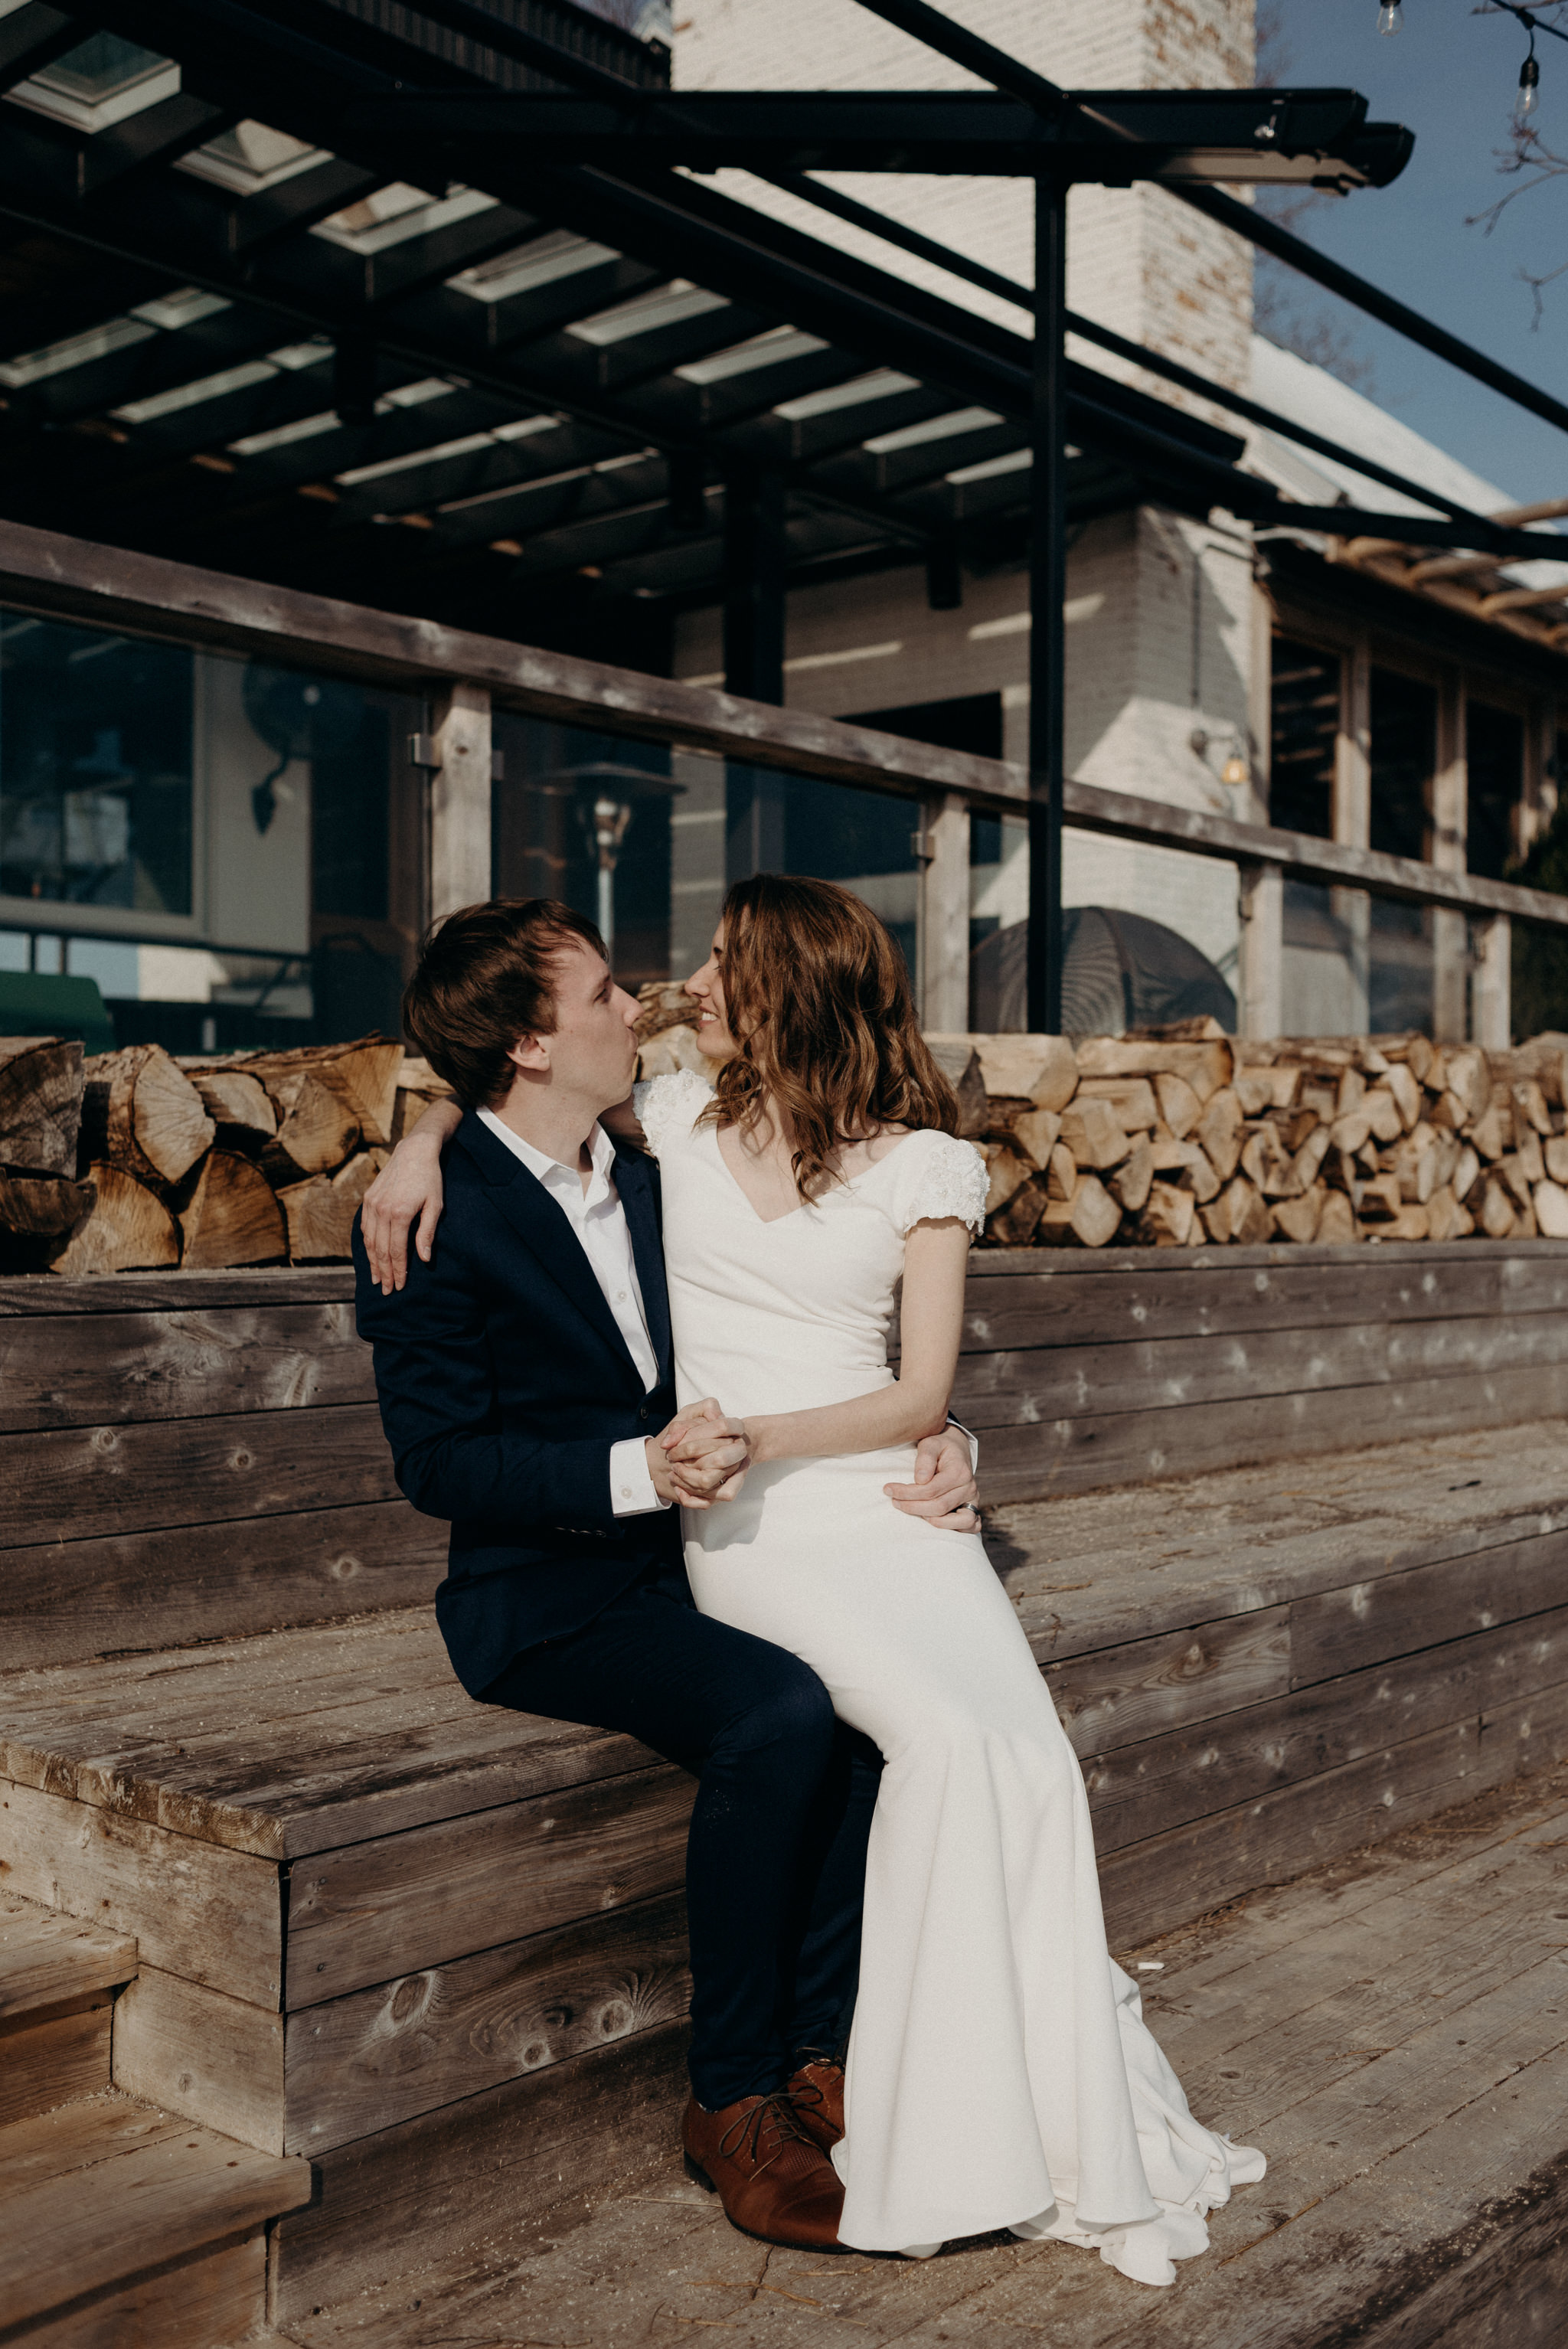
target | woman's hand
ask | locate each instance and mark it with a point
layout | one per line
(408, 1189)
(704, 1456)
(943, 1492)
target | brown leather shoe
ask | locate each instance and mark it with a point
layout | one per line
(817, 2093)
(771, 2179)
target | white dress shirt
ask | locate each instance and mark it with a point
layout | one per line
(599, 1220)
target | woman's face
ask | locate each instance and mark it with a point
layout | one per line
(713, 1036)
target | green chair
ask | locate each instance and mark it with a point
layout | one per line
(33, 1003)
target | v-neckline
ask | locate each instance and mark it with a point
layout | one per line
(843, 1182)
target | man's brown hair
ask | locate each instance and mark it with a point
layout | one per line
(486, 977)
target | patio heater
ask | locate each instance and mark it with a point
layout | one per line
(617, 793)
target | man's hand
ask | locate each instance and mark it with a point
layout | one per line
(701, 1456)
(943, 1492)
(408, 1190)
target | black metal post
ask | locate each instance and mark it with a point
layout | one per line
(754, 662)
(1048, 594)
(754, 586)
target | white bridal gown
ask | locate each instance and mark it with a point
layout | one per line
(999, 2071)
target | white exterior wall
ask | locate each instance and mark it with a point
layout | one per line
(1160, 635)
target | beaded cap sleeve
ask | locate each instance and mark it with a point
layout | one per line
(934, 1175)
(666, 1107)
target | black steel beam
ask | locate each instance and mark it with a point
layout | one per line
(1317, 138)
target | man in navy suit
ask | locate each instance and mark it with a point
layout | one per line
(525, 1378)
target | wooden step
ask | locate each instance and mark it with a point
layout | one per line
(121, 2224)
(1391, 2029)
(57, 1981)
(437, 1947)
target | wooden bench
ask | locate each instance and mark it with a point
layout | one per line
(439, 1949)
(189, 1457)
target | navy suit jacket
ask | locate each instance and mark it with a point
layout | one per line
(503, 1382)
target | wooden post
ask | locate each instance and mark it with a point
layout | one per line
(1450, 824)
(1490, 1006)
(945, 926)
(1352, 824)
(1260, 1006)
(460, 801)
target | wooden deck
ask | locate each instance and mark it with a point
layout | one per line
(1392, 2029)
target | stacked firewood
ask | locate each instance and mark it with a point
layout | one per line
(1184, 1137)
(134, 1160)
(1181, 1137)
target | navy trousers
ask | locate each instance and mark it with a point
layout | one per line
(775, 1859)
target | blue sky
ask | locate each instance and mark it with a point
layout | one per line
(1452, 76)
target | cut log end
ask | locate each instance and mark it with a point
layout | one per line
(128, 1230)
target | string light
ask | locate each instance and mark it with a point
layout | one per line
(1529, 97)
(1391, 18)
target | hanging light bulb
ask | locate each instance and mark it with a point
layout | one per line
(1529, 97)
(1391, 18)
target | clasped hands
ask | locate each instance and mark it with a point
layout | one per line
(702, 1456)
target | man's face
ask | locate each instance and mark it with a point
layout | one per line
(592, 1049)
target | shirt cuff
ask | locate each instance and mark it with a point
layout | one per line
(631, 1492)
(971, 1439)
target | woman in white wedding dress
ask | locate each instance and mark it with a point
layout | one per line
(999, 2072)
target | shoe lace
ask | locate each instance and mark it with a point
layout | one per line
(773, 2113)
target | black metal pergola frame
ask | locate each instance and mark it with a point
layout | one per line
(470, 72)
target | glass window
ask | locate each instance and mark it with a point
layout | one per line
(95, 767)
(1304, 731)
(1404, 754)
(1495, 761)
(645, 841)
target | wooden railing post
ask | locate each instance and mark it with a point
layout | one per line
(945, 916)
(1490, 1006)
(460, 800)
(1260, 962)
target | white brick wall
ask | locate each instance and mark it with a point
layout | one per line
(1159, 637)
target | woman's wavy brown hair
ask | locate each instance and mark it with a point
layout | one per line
(818, 1000)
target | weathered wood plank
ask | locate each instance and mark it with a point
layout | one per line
(1081, 1455)
(1149, 1888)
(109, 1368)
(1117, 1696)
(60, 1603)
(382, 2055)
(1341, 1630)
(31, 1294)
(291, 1742)
(1039, 1304)
(195, 1910)
(377, 1909)
(1048, 1383)
(169, 2194)
(48, 1961)
(70, 1483)
(50, 2063)
(480, 2167)
(215, 2298)
(1140, 1791)
(188, 2049)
